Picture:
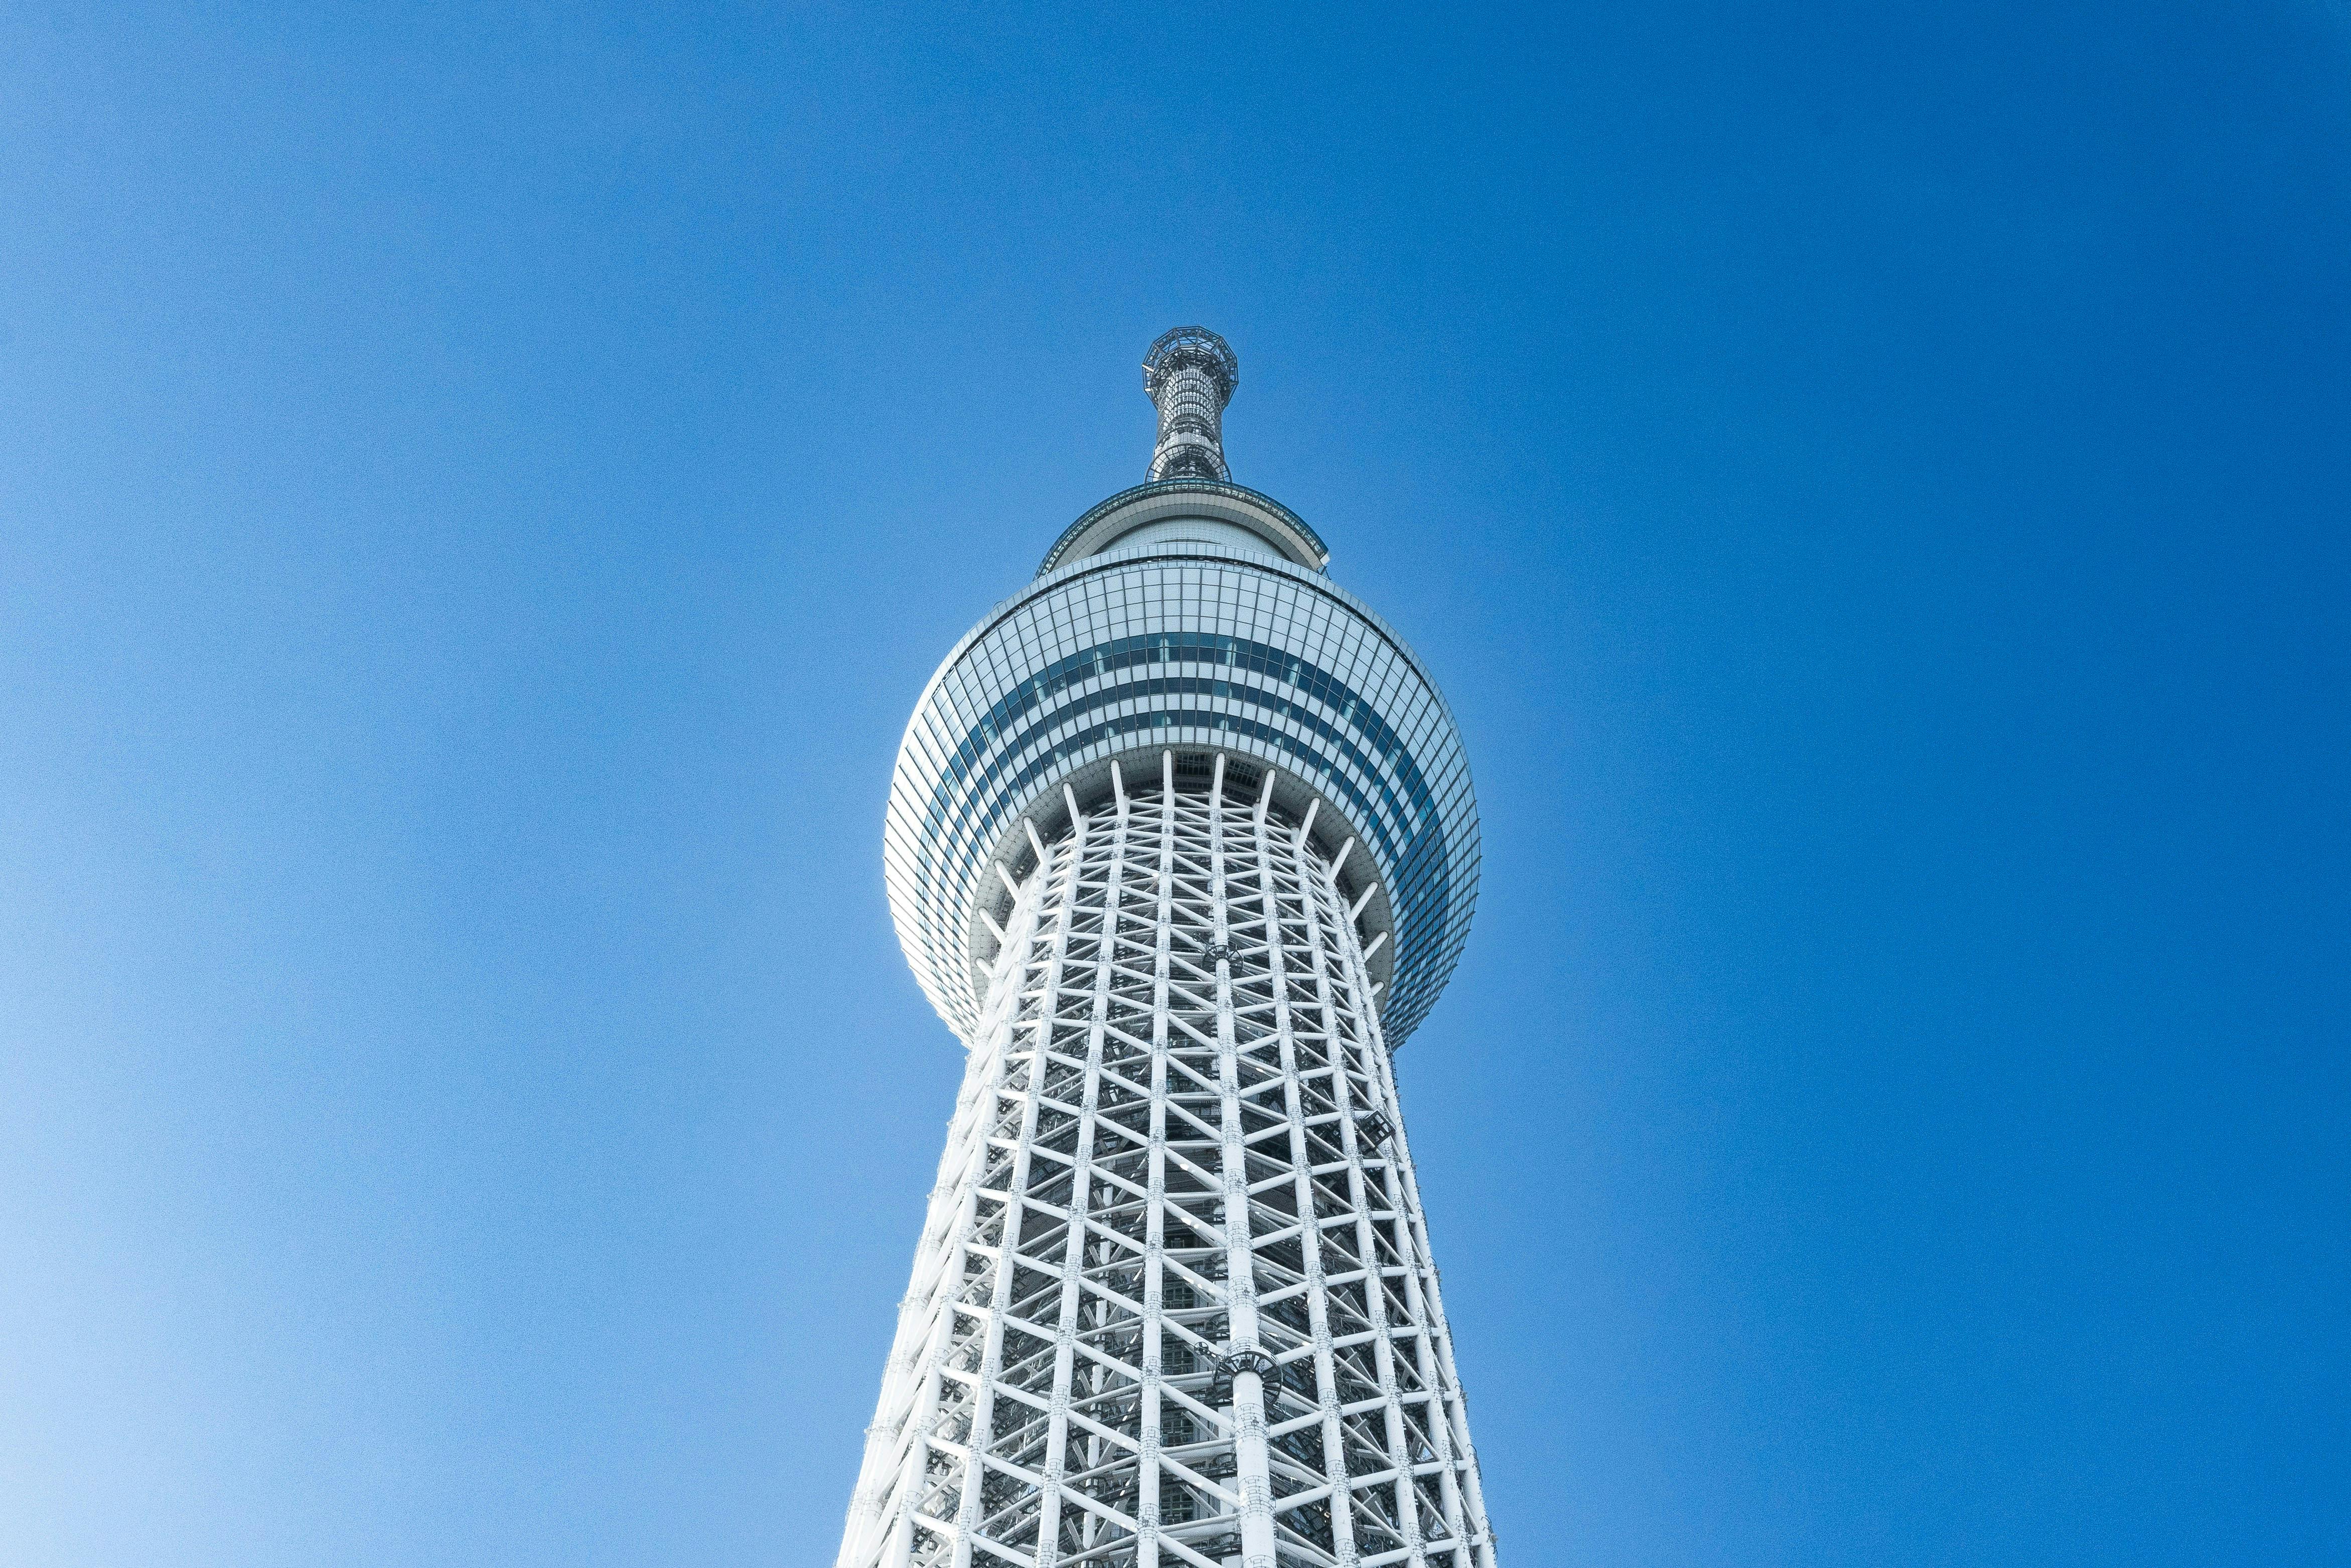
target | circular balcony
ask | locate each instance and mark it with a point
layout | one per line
(1164, 649)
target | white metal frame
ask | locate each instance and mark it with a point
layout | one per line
(1173, 1300)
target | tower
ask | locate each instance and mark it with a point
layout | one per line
(1181, 843)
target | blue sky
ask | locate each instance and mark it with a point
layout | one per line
(480, 493)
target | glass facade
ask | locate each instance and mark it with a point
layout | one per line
(1180, 644)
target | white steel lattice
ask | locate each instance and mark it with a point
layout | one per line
(1174, 1302)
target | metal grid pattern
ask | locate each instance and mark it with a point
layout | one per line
(1190, 372)
(1174, 1302)
(1180, 645)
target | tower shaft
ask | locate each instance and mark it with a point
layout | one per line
(1174, 1302)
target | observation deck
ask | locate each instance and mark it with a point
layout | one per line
(1193, 615)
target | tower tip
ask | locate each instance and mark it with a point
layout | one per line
(1190, 372)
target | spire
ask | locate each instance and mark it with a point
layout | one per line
(1190, 372)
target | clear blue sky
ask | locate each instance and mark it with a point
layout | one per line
(480, 495)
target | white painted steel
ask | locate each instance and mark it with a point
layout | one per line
(1173, 1301)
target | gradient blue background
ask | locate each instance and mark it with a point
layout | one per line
(479, 496)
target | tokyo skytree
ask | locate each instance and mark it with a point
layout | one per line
(1181, 844)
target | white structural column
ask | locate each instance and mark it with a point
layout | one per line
(1173, 1301)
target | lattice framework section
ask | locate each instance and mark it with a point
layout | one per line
(1190, 372)
(1173, 1301)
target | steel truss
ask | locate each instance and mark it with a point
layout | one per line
(1190, 372)
(1173, 1301)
